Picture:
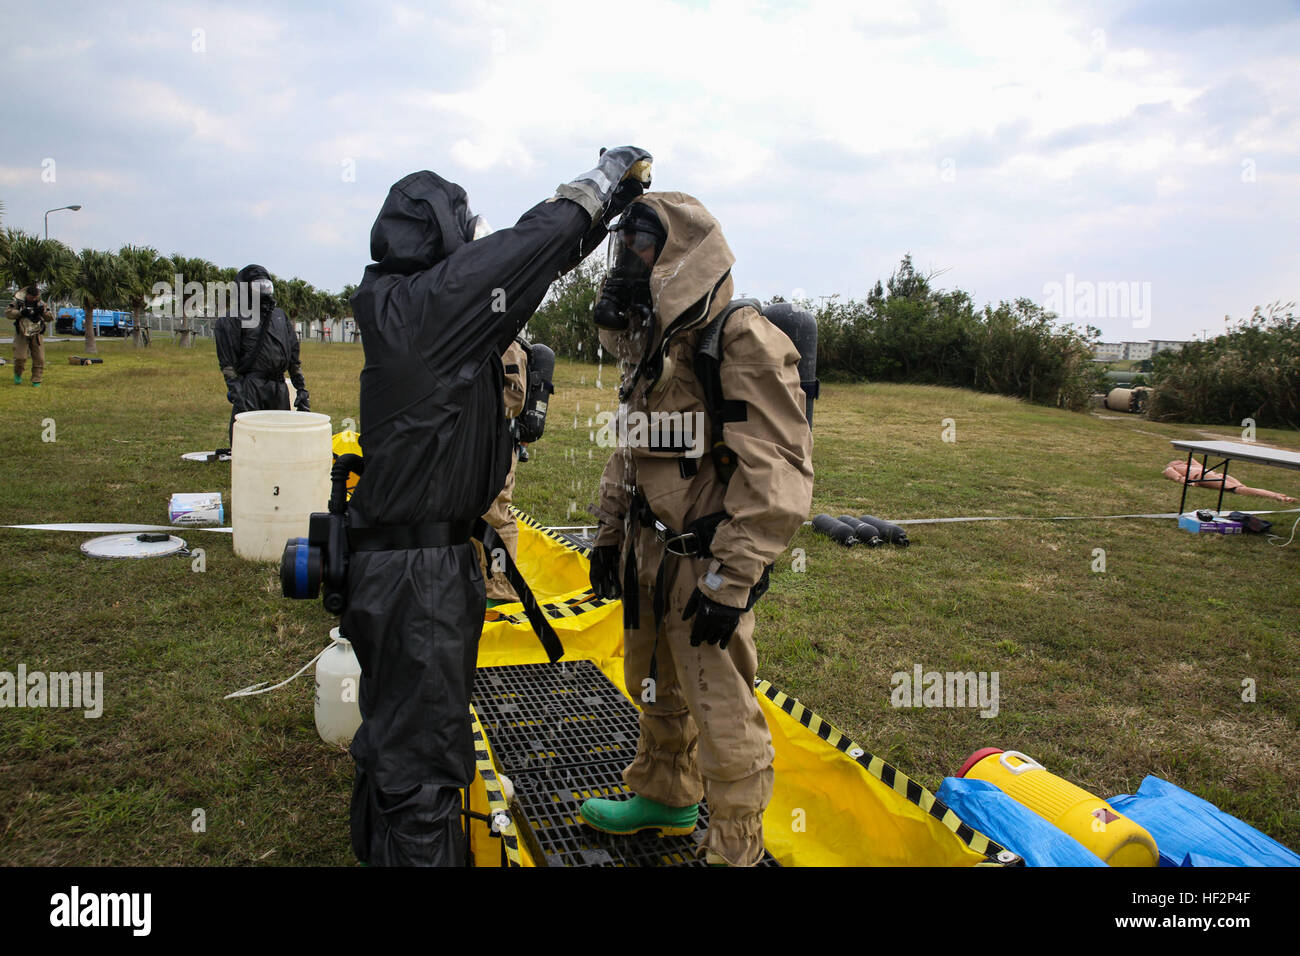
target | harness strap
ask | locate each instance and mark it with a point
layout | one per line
(541, 626)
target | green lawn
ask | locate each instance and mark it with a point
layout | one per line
(1104, 677)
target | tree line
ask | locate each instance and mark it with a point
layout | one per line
(905, 330)
(126, 279)
(1251, 372)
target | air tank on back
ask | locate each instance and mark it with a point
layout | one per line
(541, 373)
(801, 328)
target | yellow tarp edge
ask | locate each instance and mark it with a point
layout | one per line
(827, 808)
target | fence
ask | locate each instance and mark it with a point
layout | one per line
(329, 330)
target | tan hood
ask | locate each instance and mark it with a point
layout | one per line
(694, 258)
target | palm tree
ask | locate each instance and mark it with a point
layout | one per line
(190, 270)
(345, 304)
(294, 296)
(142, 269)
(31, 260)
(99, 283)
(4, 247)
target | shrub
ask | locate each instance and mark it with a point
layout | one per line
(1251, 372)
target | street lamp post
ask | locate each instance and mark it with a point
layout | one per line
(47, 216)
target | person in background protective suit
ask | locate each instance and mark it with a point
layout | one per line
(29, 315)
(255, 350)
(499, 590)
(686, 536)
(437, 310)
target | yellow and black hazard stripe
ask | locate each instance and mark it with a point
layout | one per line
(574, 606)
(890, 776)
(496, 797)
(542, 529)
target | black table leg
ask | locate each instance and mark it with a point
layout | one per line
(1186, 477)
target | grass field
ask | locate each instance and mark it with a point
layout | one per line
(1105, 676)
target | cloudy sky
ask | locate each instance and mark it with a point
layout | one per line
(1009, 146)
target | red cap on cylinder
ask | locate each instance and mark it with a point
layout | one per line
(976, 757)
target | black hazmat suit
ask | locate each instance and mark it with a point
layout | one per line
(436, 312)
(254, 362)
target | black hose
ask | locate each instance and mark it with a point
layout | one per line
(343, 466)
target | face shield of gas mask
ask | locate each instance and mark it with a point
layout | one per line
(624, 299)
(257, 297)
(476, 228)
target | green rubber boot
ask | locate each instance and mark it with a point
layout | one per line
(623, 817)
(36, 384)
(18, 379)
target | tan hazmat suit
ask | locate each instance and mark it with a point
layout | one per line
(701, 730)
(29, 335)
(498, 516)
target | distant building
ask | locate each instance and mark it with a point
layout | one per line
(1133, 351)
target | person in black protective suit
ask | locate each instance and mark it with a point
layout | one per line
(436, 310)
(255, 350)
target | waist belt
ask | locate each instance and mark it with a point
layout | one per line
(694, 542)
(400, 537)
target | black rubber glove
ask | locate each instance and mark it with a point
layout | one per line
(604, 572)
(626, 193)
(595, 189)
(232, 390)
(714, 622)
(302, 400)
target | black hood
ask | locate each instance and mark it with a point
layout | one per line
(422, 221)
(251, 272)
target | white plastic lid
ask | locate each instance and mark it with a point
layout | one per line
(130, 546)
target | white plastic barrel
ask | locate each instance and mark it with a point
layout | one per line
(279, 474)
(338, 686)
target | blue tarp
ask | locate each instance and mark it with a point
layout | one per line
(1193, 832)
(1019, 829)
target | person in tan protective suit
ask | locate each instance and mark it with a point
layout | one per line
(29, 316)
(691, 522)
(498, 516)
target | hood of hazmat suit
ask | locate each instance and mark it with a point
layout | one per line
(437, 309)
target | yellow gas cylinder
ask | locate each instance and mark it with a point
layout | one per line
(1089, 819)
(348, 442)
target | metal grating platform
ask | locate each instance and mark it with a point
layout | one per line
(563, 733)
(545, 715)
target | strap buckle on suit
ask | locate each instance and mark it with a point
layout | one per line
(684, 545)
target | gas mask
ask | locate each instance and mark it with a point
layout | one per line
(256, 294)
(476, 227)
(263, 291)
(635, 242)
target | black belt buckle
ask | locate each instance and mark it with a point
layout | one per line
(688, 542)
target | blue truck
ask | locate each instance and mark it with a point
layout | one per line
(107, 321)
